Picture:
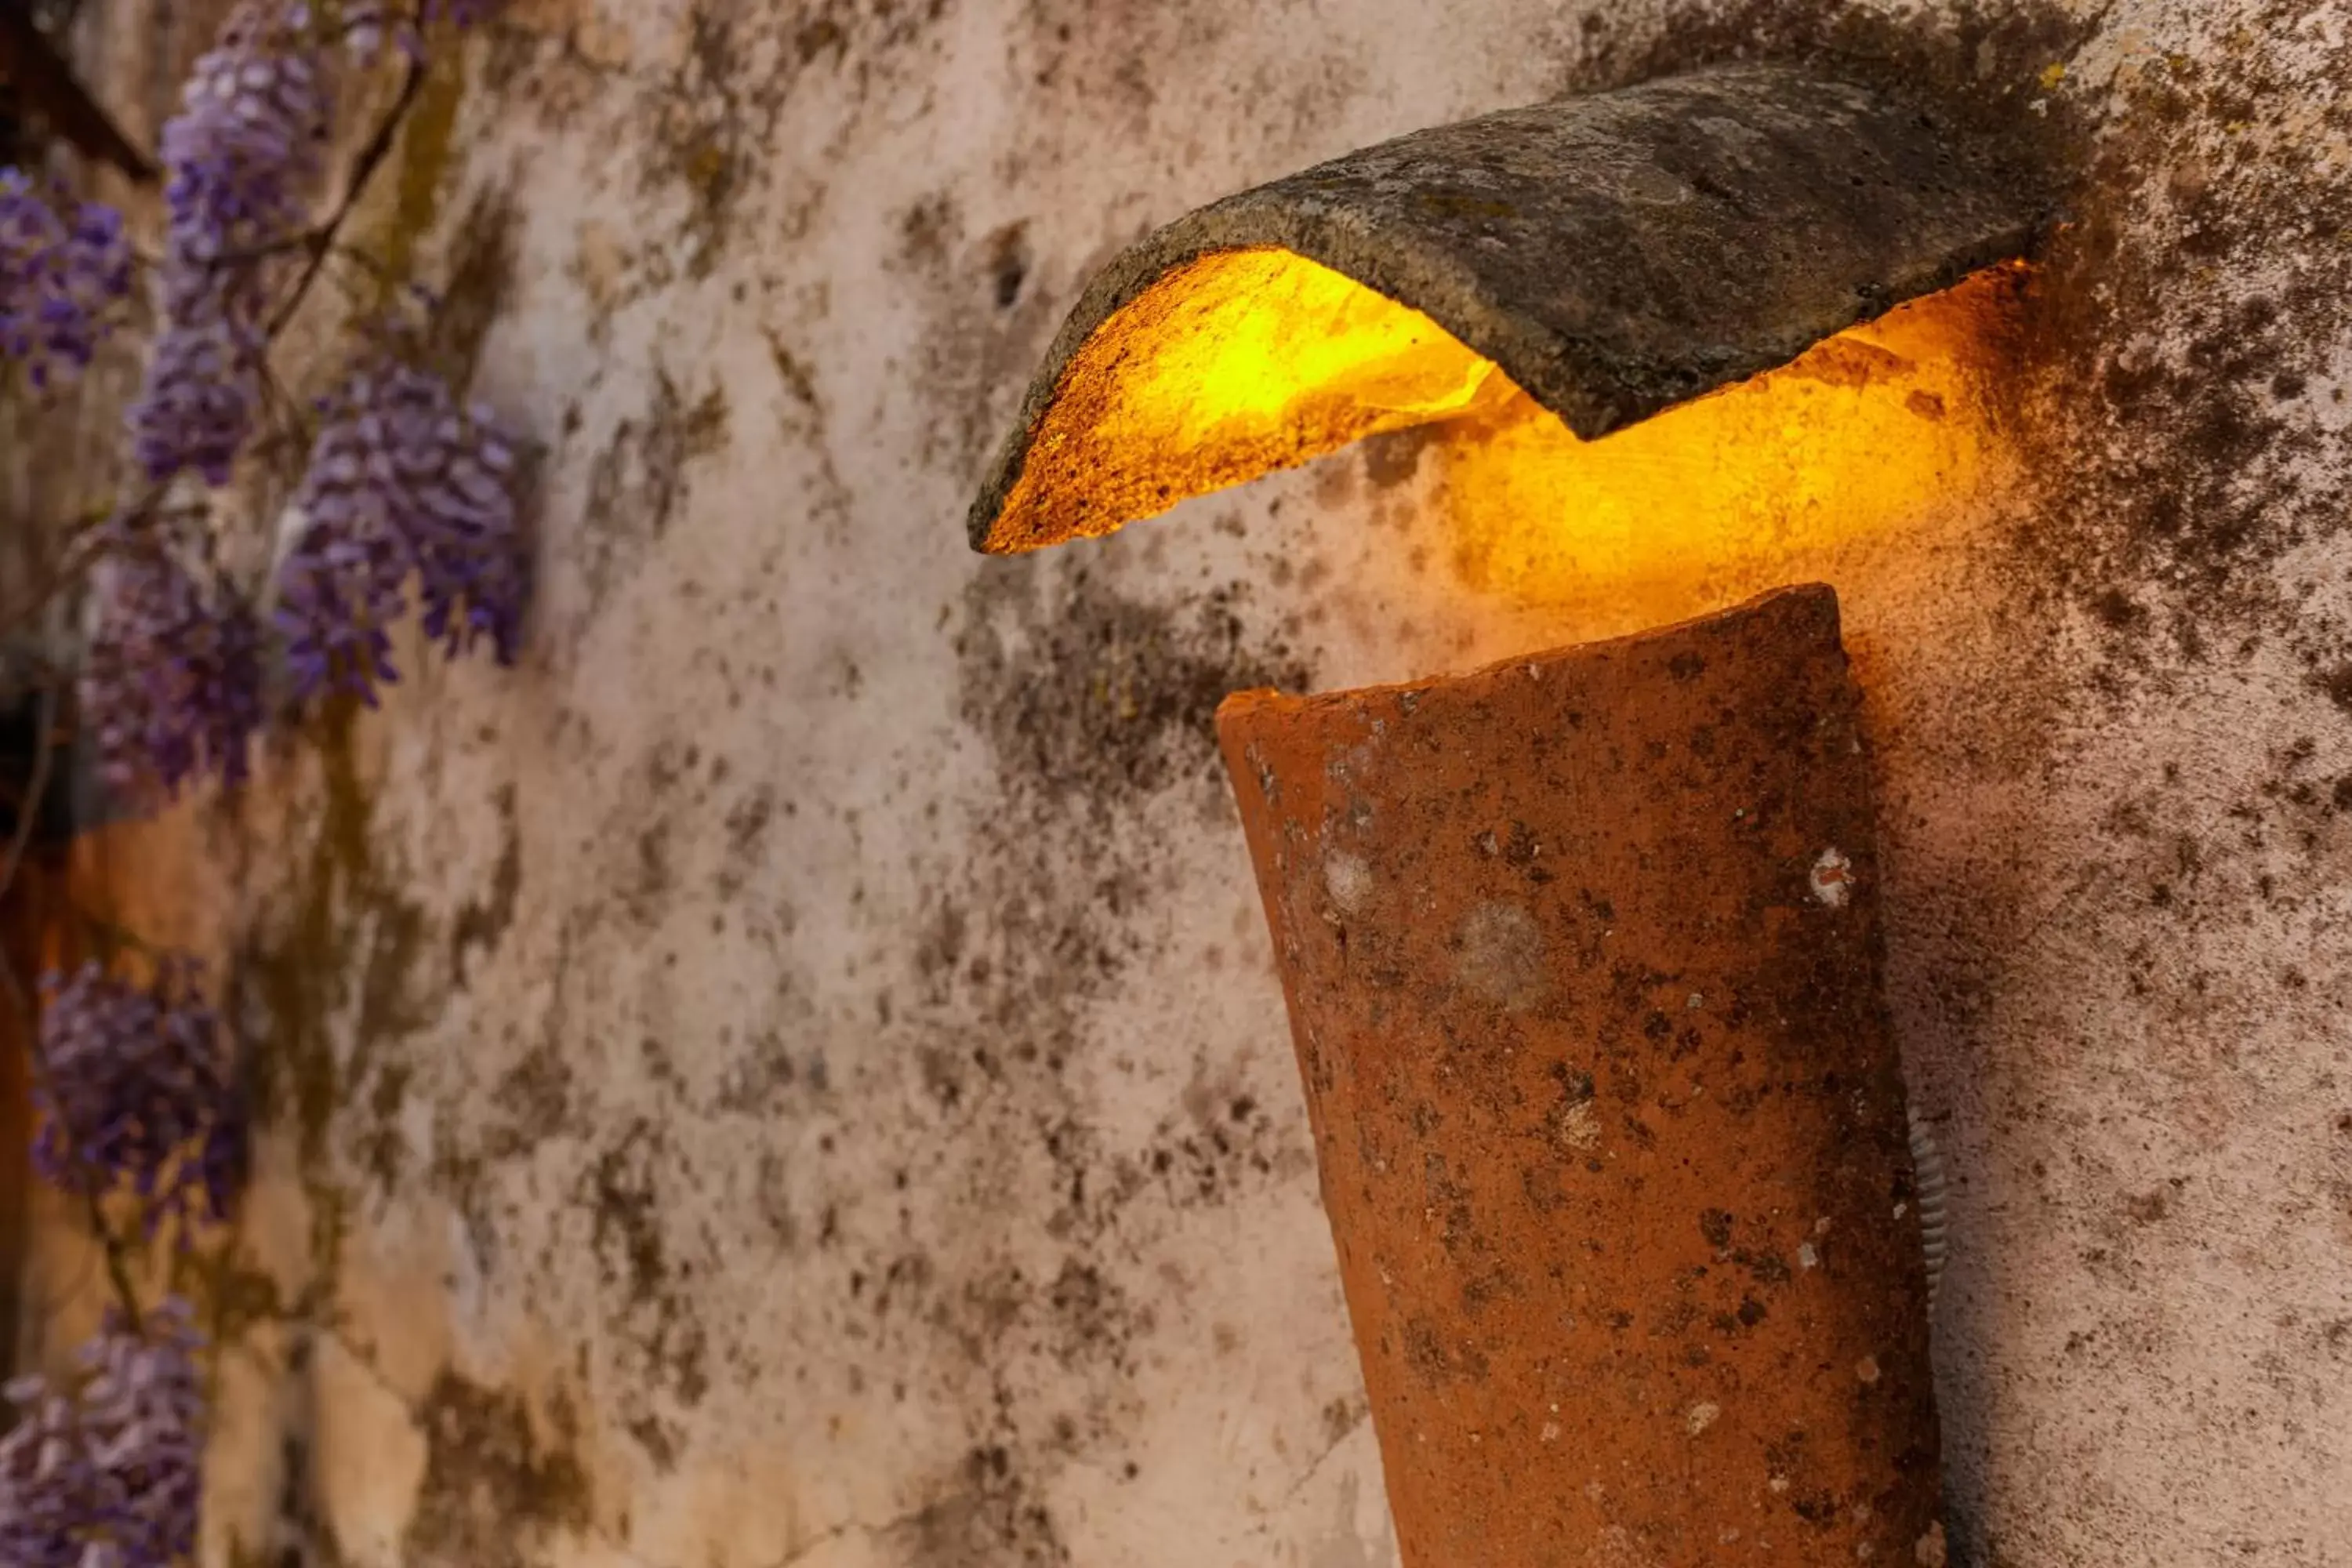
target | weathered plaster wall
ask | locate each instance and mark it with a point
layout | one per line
(792, 1075)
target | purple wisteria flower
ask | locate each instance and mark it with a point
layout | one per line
(203, 384)
(368, 23)
(48, 1483)
(172, 685)
(106, 1469)
(243, 154)
(241, 159)
(402, 480)
(133, 1094)
(64, 266)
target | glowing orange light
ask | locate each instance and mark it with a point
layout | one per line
(1887, 426)
(1243, 362)
(1237, 363)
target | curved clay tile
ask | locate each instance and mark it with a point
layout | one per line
(1612, 254)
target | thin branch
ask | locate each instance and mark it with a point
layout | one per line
(285, 413)
(84, 540)
(363, 168)
(373, 267)
(117, 1272)
(284, 245)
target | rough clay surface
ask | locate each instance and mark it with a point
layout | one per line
(1619, 253)
(794, 1076)
(1582, 955)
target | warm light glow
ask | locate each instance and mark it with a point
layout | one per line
(1245, 362)
(1230, 366)
(1868, 432)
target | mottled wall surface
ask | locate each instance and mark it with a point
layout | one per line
(792, 1075)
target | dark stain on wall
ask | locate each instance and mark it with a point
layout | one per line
(494, 1482)
(648, 1277)
(986, 325)
(1095, 709)
(987, 1519)
(479, 283)
(716, 121)
(637, 483)
(2177, 349)
(349, 936)
(481, 923)
(1091, 698)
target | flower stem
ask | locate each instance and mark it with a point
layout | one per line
(322, 239)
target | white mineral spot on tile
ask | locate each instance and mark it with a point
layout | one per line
(1833, 879)
(1701, 1416)
(1348, 879)
(1501, 956)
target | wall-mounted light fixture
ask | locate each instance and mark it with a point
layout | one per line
(1606, 259)
(1580, 951)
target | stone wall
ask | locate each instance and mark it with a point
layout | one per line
(792, 1075)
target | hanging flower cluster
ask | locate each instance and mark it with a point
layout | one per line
(133, 1094)
(241, 159)
(135, 1105)
(64, 267)
(172, 682)
(402, 483)
(105, 1470)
